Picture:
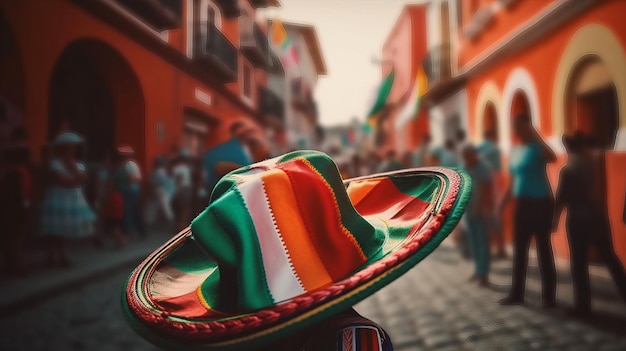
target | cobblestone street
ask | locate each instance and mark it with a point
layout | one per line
(432, 307)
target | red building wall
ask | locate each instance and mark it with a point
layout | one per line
(404, 50)
(44, 29)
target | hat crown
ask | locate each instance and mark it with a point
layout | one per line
(281, 228)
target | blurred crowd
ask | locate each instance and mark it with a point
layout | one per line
(62, 198)
(581, 190)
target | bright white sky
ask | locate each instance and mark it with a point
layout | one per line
(351, 33)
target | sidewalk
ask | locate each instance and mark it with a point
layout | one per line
(89, 263)
(434, 307)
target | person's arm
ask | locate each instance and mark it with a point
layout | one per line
(559, 202)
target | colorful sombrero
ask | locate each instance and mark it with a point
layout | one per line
(285, 244)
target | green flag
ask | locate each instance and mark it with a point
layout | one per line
(379, 103)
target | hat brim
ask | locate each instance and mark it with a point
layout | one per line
(156, 321)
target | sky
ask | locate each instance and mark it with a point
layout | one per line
(351, 34)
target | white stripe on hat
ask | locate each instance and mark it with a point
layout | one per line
(279, 272)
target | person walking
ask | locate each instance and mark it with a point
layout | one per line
(490, 153)
(420, 156)
(533, 211)
(477, 213)
(587, 223)
(65, 212)
(162, 192)
(127, 178)
(183, 193)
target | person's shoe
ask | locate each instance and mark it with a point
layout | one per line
(511, 301)
(483, 282)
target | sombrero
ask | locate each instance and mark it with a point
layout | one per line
(285, 244)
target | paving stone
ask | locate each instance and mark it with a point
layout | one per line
(436, 341)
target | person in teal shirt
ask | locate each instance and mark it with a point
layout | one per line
(477, 212)
(226, 156)
(531, 190)
(489, 151)
(447, 154)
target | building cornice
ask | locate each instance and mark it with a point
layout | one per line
(527, 33)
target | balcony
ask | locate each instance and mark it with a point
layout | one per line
(215, 52)
(159, 14)
(437, 64)
(254, 44)
(230, 8)
(271, 106)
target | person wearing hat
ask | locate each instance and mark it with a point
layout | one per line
(65, 212)
(587, 224)
(283, 251)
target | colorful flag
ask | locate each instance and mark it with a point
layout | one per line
(412, 106)
(379, 103)
(282, 45)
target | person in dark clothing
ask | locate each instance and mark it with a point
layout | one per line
(15, 204)
(534, 206)
(587, 223)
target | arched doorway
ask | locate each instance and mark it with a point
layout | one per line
(592, 102)
(519, 105)
(11, 83)
(490, 121)
(95, 92)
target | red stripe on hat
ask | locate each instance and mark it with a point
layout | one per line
(318, 207)
(308, 265)
(381, 198)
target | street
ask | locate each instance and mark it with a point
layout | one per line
(432, 307)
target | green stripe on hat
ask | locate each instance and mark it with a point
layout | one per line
(242, 269)
(425, 191)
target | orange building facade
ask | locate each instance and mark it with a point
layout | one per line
(561, 61)
(564, 63)
(129, 72)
